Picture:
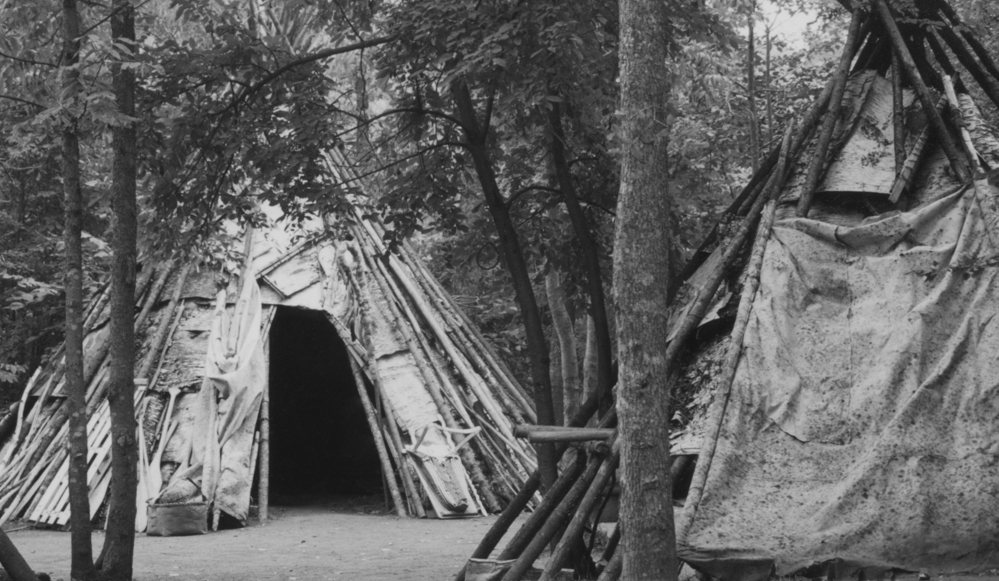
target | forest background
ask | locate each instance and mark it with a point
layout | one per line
(494, 133)
(213, 145)
(486, 130)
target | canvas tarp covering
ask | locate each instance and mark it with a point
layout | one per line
(861, 431)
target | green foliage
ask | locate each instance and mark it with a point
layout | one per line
(33, 112)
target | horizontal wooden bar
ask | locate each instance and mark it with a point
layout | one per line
(537, 434)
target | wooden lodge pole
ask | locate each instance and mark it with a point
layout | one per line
(264, 480)
(379, 414)
(574, 529)
(987, 82)
(407, 477)
(552, 498)
(929, 107)
(743, 204)
(955, 105)
(898, 113)
(480, 391)
(430, 376)
(554, 523)
(526, 493)
(376, 431)
(717, 409)
(983, 54)
(818, 164)
(464, 323)
(504, 394)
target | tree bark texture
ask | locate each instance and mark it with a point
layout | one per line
(642, 253)
(120, 536)
(572, 388)
(82, 552)
(591, 257)
(513, 255)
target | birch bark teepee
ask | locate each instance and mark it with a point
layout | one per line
(443, 406)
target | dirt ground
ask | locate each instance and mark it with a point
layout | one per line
(338, 541)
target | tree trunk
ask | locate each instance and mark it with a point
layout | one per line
(82, 552)
(572, 389)
(754, 123)
(642, 268)
(12, 561)
(591, 257)
(513, 255)
(590, 360)
(558, 382)
(767, 86)
(120, 536)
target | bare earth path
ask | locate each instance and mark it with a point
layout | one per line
(298, 544)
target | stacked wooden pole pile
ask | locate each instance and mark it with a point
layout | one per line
(33, 463)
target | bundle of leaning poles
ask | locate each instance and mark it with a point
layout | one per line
(35, 452)
(589, 456)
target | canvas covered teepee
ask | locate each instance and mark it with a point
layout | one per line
(437, 401)
(838, 350)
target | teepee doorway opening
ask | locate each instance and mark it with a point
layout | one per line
(321, 446)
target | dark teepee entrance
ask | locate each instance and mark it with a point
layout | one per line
(321, 445)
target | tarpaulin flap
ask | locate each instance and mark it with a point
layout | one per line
(861, 428)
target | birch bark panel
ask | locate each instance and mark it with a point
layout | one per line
(310, 297)
(867, 161)
(796, 180)
(984, 138)
(395, 365)
(184, 359)
(297, 274)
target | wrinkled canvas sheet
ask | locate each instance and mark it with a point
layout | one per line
(862, 428)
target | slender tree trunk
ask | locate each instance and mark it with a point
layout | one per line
(590, 362)
(591, 257)
(754, 124)
(120, 537)
(642, 268)
(572, 388)
(82, 552)
(767, 86)
(558, 384)
(537, 346)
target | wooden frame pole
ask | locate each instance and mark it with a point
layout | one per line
(377, 433)
(929, 107)
(818, 164)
